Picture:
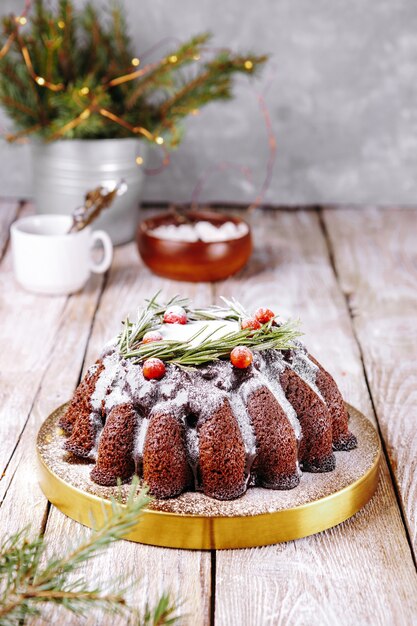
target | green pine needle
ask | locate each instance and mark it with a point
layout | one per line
(87, 47)
(28, 583)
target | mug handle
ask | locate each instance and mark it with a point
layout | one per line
(103, 265)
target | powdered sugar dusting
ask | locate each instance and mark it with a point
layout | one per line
(192, 397)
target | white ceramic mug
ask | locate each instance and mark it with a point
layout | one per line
(48, 260)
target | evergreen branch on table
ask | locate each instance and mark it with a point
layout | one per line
(27, 584)
(162, 614)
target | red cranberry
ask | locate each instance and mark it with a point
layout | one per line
(153, 368)
(241, 357)
(264, 315)
(250, 323)
(152, 335)
(175, 315)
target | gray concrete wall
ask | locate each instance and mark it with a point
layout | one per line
(341, 88)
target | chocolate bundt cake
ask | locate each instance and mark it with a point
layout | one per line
(208, 400)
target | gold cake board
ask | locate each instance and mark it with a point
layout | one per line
(194, 521)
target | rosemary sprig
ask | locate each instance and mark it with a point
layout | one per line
(27, 584)
(187, 353)
(212, 349)
(233, 311)
(148, 319)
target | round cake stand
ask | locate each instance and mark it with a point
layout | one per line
(194, 521)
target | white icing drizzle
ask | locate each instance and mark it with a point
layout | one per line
(306, 370)
(192, 443)
(96, 423)
(105, 380)
(269, 376)
(116, 397)
(110, 346)
(175, 407)
(184, 332)
(277, 391)
(243, 420)
(92, 369)
(140, 440)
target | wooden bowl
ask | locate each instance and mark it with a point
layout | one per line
(195, 261)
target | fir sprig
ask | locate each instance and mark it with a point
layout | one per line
(88, 53)
(190, 354)
(29, 580)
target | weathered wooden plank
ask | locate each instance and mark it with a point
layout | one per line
(375, 252)
(361, 571)
(8, 213)
(28, 332)
(186, 574)
(22, 500)
(147, 572)
(43, 341)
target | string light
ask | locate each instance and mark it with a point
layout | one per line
(222, 166)
(72, 124)
(20, 136)
(6, 47)
(245, 171)
(133, 75)
(138, 130)
(272, 144)
(145, 70)
(84, 91)
(42, 82)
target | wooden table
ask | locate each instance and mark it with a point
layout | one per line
(351, 275)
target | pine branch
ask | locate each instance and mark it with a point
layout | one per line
(163, 613)
(212, 83)
(26, 585)
(84, 52)
(164, 76)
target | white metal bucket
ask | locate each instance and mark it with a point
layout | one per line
(64, 170)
